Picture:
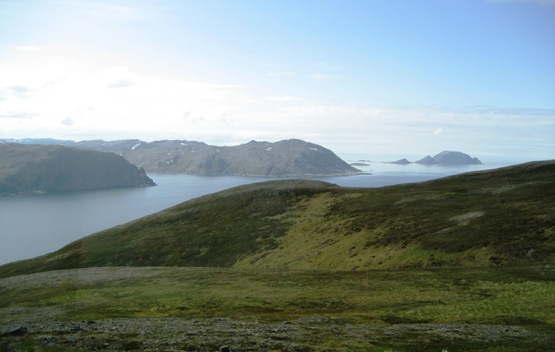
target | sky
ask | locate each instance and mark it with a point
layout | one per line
(375, 79)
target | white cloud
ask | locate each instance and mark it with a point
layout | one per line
(30, 48)
(68, 121)
(323, 76)
(438, 131)
(20, 92)
(283, 98)
(146, 106)
(16, 115)
(280, 73)
(106, 10)
(123, 83)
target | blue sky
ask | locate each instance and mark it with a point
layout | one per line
(377, 79)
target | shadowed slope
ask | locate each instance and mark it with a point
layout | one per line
(53, 168)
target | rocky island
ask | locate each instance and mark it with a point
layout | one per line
(36, 169)
(449, 158)
(445, 158)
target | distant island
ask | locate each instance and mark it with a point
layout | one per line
(291, 157)
(37, 169)
(401, 162)
(445, 158)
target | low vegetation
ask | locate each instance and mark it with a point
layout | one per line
(487, 309)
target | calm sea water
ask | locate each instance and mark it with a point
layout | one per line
(36, 225)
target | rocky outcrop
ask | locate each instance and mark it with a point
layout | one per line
(31, 169)
(284, 158)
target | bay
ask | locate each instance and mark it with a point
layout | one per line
(39, 224)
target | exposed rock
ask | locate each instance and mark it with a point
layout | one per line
(20, 330)
(123, 334)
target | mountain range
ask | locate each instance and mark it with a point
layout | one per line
(488, 218)
(32, 169)
(292, 157)
(284, 158)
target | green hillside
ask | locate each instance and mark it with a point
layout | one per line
(500, 217)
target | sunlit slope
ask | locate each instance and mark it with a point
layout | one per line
(499, 217)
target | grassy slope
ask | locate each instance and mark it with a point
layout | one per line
(502, 217)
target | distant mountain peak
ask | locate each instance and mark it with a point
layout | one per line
(427, 160)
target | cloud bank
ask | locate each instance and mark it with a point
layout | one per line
(115, 103)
